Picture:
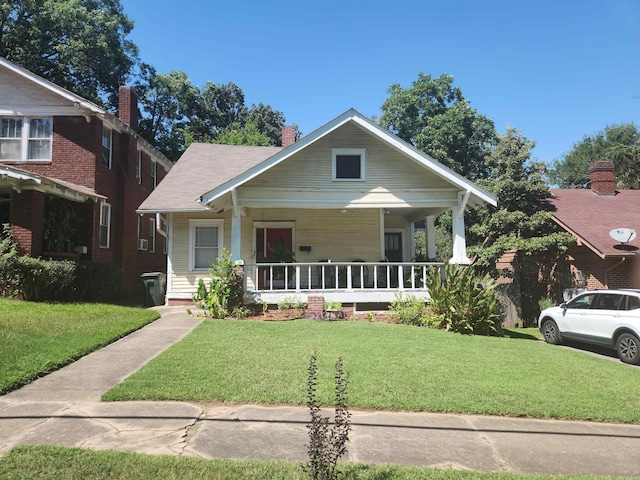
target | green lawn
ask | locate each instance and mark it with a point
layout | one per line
(58, 463)
(393, 367)
(36, 338)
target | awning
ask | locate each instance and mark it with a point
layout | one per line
(12, 178)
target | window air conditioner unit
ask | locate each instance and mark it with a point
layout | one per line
(143, 244)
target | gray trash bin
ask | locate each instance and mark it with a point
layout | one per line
(155, 284)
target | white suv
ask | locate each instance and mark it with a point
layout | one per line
(603, 317)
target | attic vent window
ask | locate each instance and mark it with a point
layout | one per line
(348, 164)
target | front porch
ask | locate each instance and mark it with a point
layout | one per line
(345, 282)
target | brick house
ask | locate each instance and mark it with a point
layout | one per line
(597, 260)
(72, 175)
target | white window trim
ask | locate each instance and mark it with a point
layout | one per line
(106, 129)
(108, 225)
(335, 152)
(192, 239)
(139, 167)
(25, 137)
(152, 235)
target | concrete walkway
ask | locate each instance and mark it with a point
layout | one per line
(63, 408)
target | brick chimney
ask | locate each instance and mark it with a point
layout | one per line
(603, 180)
(288, 135)
(128, 106)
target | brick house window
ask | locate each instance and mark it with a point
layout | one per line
(106, 147)
(348, 164)
(23, 139)
(153, 175)
(152, 235)
(139, 167)
(105, 225)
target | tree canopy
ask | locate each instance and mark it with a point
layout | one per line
(80, 45)
(619, 143)
(435, 117)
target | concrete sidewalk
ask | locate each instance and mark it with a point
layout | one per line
(64, 409)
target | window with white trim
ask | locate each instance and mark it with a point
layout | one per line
(153, 174)
(23, 139)
(106, 147)
(105, 225)
(139, 167)
(152, 235)
(205, 243)
(348, 164)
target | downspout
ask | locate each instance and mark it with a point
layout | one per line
(606, 272)
(159, 219)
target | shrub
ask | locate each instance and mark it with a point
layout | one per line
(291, 303)
(330, 305)
(40, 280)
(223, 293)
(410, 309)
(462, 302)
(327, 445)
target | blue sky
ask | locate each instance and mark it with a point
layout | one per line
(556, 70)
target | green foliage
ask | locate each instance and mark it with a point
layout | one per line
(8, 247)
(331, 305)
(464, 303)
(80, 45)
(619, 143)
(522, 221)
(410, 309)
(248, 134)
(291, 303)
(40, 280)
(545, 303)
(436, 118)
(327, 445)
(222, 295)
(61, 224)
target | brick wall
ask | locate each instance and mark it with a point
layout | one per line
(603, 180)
(288, 135)
(27, 215)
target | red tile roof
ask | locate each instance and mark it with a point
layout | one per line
(590, 217)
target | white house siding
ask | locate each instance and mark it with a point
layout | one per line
(311, 168)
(25, 94)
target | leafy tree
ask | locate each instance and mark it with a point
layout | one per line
(522, 221)
(78, 44)
(239, 135)
(168, 102)
(619, 143)
(436, 118)
(268, 121)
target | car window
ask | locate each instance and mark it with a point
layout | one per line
(608, 301)
(633, 302)
(583, 301)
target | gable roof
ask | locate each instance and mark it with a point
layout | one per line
(77, 106)
(186, 189)
(590, 217)
(477, 195)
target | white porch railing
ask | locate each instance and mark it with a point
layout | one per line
(338, 276)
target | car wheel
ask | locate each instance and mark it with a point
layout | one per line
(550, 332)
(628, 347)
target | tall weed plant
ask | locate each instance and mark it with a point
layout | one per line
(463, 302)
(221, 296)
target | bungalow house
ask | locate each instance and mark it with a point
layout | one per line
(329, 217)
(597, 260)
(72, 176)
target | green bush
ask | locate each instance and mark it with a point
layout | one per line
(462, 302)
(291, 303)
(40, 280)
(223, 294)
(410, 309)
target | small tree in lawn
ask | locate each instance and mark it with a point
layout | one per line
(223, 292)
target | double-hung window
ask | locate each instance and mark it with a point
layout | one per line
(23, 139)
(152, 235)
(106, 147)
(205, 243)
(105, 225)
(153, 174)
(139, 167)
(348, 164)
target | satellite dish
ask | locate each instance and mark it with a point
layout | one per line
(623, 235)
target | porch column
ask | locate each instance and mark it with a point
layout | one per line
(430, 236)
(382, 246)
(236, 228)
(459, 241)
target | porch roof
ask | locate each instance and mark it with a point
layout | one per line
(12, 178)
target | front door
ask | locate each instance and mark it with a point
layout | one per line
(393, 246)
(273, 245)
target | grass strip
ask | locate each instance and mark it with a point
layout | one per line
(392, 367)
(37, 338)
(60, 463)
